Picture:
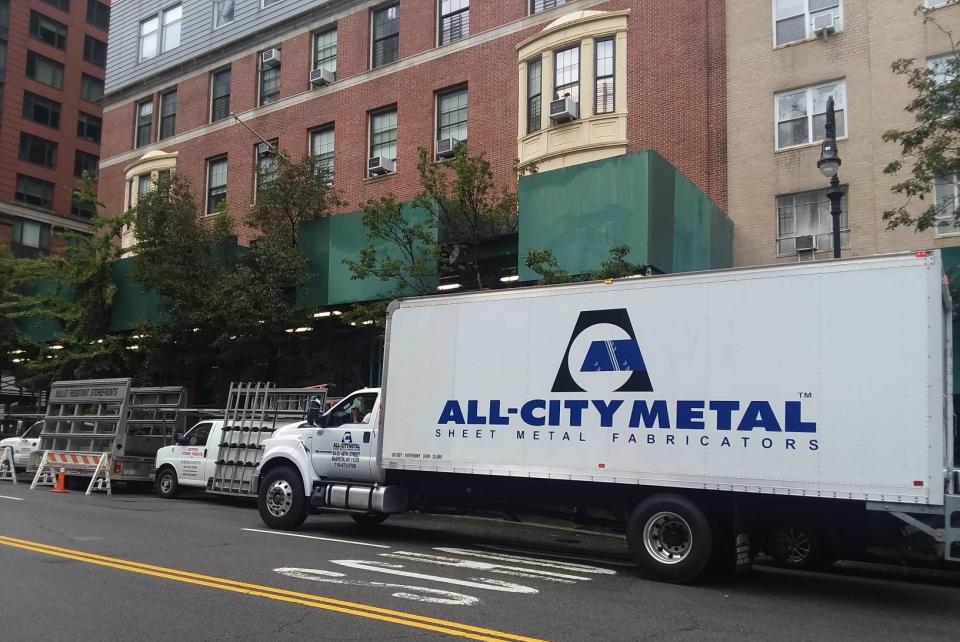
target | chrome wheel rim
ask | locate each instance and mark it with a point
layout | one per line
(279, 498)
(667, 537)
(796, 545)
(166, 483)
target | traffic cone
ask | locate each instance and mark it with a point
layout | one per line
(60, 486)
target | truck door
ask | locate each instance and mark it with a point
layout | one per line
(343, 447)
(191, 454)
(211, 450)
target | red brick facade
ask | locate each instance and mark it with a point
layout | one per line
(676, 98)
(65, 136)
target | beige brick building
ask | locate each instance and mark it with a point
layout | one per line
(779, 74)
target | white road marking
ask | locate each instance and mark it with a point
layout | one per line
(502, 569)
(474, 582)
(532, 561)
(16, 499)
(325, 539)
(560, 556)
(415, 593)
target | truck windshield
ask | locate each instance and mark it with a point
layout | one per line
(34, 431)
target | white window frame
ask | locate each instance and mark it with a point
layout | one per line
(261, 69)
(165, 26)
(933, 61)
(531, 5)
(807, 20)
(953, 229)
(844, 230)
(313, 46)
(934, 4)
(318, 131)
(396, 128)
(155, 32)
(464, 89)
(268, 3)
(842, 82)
(226, 182)
(216, 12)
(441, 16)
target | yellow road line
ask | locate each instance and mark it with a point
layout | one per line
(282, 595)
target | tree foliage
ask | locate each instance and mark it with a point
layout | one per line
(929, 150)
(544, 263)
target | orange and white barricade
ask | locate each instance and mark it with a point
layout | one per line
(94, 465)
(7, 472)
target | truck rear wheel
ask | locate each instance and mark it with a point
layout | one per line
(167, 485)
(670, 538)
(281, 501)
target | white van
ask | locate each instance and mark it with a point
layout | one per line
(192, 460)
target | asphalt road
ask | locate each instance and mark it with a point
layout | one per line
(134, 566)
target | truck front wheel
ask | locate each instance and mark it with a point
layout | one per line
(282, 503)
(670, 538)
(167, 485)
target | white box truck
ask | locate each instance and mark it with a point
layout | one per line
(803, 409)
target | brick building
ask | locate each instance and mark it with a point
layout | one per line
(52, 61)
(403, 75)
(780, 72)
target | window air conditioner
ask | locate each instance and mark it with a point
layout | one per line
(823, 24)
(380, 165)
(445, 147)
(806, 243)
(264, 148)
(321, 77)
(564, 110)
(270, 58)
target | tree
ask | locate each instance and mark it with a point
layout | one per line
(930, 148)
(457, 210)
(616, 266)
(73, 292)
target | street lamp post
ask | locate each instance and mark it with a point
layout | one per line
(828, 165)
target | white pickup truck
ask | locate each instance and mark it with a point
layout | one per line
(192, 461)
(24, 445)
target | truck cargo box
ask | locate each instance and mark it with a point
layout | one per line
(826, 379)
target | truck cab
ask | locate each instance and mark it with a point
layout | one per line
(328, 463)
(191, 460)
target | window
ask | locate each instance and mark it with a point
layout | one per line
(172, 18)
(801, 114)
(933, 4)
(62, 5)
(38, 151)
(452, 114)
(383, 134)
(31, 234)
(355, 409)
(149, 37)
(220, 95)
(48, 30)
(98, 14)
(603, 72)
(222, 13)
(82, 209)
(947, 197)
(41, 110)
(168, 115)
(91, 88)
(321, 149)
(143, 186)
(266, 164)
(325, 51)
(454, 20)
(89, 127)
(267, 3)
(942, 67)
(566, 79)
(794, 18)
(95, 51)
(808, 213)
(536, 6)
(216, 183)
(144, 123)
(33, 191)
(269, 80)
(88, 163)
(534, 89)
(44, 70)
(386, 35)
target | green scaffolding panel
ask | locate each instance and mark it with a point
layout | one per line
(636, 199)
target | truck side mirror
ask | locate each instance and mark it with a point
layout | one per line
(179, 438)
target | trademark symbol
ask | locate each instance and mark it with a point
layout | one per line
(806, 395)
